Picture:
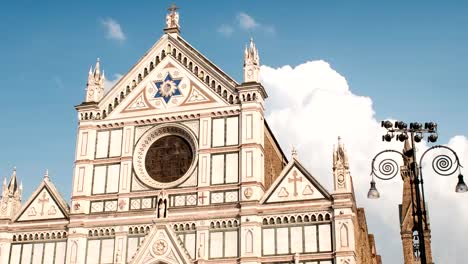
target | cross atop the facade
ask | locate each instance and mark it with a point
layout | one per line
(43, 201)
(173, 8)
(172, 19)
(295, 180)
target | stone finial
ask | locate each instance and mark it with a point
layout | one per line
(172, 20)
(251, 63)
(46, 174)
(340, 157)
(294, 153)
(13, 185)
(95, 85)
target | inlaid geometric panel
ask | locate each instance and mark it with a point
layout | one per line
(135, 204)
(110, 206)
(192, 199)
(97, 207)
(180, 200)
(217, 197)
(232, 196)
(146, 203)
(142, 203)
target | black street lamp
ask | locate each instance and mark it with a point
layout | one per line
(387, 169)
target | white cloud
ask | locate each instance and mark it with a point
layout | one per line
(246, 22)
(324, 107)
(113, 29)
(225, 30)
(108, 84)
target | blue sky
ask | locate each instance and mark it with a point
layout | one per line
(410, 57)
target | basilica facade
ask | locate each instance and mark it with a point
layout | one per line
(177, 164)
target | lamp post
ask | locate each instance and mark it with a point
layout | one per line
(387, 168)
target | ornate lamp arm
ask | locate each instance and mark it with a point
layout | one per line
(442, 164)
(387, 168)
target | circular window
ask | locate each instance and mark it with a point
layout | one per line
(165, 156)
(168, 159)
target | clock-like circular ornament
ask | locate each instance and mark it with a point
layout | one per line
(250, 73)
(165, 156)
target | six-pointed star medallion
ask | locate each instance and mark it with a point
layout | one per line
(167, 88)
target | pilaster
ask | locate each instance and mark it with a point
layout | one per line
(76, 246)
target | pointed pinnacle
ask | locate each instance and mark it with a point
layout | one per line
(97, 68)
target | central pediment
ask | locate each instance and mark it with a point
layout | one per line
(168, 88)
(171, 77)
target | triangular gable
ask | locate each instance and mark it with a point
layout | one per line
(45, 203)
(161, 244)
(295, 183)
(142, 73)
(170, 87)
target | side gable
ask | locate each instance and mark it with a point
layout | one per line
(45, 203)
(295, 183)
(161, 245)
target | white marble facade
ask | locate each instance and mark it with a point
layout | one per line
(221, 210)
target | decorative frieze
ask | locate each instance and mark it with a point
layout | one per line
(104, 206)
(142, 203)
(181, 200)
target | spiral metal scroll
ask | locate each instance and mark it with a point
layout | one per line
(386, 168)
(443, 164)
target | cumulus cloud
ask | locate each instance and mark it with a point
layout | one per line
(108, 84)
(225, 30)
(113, 29)
(324, 107)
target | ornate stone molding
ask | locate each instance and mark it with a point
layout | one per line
(151, 136)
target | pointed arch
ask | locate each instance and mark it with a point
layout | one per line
(344, 236)
(249, 241)
(73, 252)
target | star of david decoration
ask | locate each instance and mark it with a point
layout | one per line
(168, 88)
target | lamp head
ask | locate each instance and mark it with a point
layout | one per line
(387, 137)
(433, 137)
(387, 124)
(415, 125)
(401, 125)
(461, 186)
(418, 138)
(402, 137)
(430, 126)
(373, 192)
